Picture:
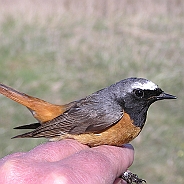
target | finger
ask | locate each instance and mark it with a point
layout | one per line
(91, 165)
(120, 157)
(102, 164)
(54, 151)
(37, 162)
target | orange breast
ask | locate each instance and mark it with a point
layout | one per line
(122, 132)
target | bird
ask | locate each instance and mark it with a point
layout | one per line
(114, 115)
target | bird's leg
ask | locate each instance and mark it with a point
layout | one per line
(131, 178)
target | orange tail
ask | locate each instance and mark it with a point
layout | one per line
(41, 110)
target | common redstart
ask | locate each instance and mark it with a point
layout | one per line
(114, 115)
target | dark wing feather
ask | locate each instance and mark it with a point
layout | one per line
(91, 114)
(30, 126)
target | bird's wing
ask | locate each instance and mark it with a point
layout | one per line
(91, 114)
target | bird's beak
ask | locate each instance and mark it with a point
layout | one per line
(164, 95)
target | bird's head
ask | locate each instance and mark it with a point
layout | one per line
(137, 94)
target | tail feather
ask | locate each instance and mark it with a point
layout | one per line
(41, 110)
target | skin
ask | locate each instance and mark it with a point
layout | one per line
(66, 162)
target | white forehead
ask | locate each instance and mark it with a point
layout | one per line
(146, 85)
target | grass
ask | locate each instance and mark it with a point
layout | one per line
(60, 57)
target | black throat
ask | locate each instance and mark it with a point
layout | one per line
(138, 115)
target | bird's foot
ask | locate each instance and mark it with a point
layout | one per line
(131, 178)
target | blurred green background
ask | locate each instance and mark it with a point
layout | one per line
(64, 50)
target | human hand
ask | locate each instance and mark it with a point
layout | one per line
(66, 162)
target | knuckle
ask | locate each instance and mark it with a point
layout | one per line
(10, 170)
(57, 177)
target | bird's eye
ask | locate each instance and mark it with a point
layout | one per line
(139, 93)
